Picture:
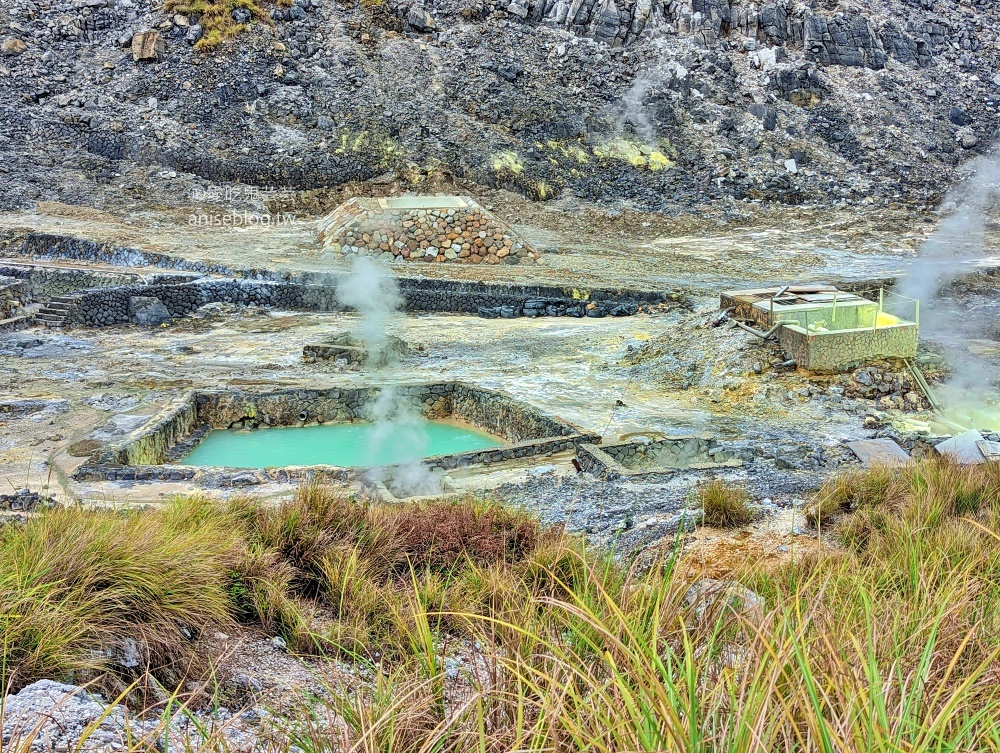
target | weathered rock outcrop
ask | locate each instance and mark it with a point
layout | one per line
(656, 104)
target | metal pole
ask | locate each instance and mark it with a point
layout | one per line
(834, 321)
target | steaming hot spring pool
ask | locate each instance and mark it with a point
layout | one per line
(347, 445)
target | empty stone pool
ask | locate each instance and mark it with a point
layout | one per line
(353, 445)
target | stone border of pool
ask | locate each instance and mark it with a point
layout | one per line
(151, 452)
(616, 461)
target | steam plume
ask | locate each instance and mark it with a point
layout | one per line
(398, 427)
(951, 252)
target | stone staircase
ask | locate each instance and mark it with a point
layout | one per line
(58, 312)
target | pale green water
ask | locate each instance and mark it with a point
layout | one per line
(346, 445)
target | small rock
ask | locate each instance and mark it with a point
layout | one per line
(420, 20)
(148, 45)
(967, 138)
(12, 47)
(279, 643)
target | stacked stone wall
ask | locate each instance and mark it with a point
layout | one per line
(14, 296)
(110, 306)
(43, 283)
(464, 235)
(310, 291)
(659, 458)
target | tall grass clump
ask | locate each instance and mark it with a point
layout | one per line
(88, 593)
(892, 645)
(724, 505)
(368, 565)
(216, 17)
(476, 629)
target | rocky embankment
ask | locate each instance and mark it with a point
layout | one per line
(660, 105)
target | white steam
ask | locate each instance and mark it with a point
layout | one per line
(374, 294)
(663, 72)
(958, 241)
(952, 251)
(399, 430)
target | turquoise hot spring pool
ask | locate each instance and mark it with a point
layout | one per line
(353, 445)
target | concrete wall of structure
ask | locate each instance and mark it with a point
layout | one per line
(843, 350)
(845, 317)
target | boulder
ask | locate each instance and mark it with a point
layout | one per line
(420, 20)
(55, 716)
(147, 312)
(148, 45)
(12, 47)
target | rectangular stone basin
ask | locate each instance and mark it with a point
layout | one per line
(157, 450)
(663, 456)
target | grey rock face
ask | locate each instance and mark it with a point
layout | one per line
(57, 716)
(336, 93)
(147, 312)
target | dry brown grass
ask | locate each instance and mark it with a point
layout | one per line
(891, 644)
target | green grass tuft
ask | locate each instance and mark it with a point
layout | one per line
(216, 18)
(725, 505)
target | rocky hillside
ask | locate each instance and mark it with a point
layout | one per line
(656, 104)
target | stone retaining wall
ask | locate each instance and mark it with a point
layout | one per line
(43, 283)
(462, 234)
(110, 306)
(664, 456)
(56, 247)
(344, 346)
(420, 294)
(152, 452)
(14, 295)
